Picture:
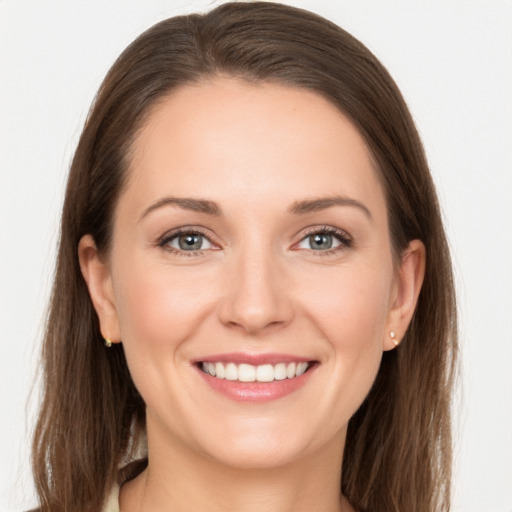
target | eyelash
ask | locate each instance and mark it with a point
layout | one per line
(169, 237)
(346, 241)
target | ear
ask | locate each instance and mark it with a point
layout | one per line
(99, 282)
(405, 293)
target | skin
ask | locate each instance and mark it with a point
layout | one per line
(258, 285)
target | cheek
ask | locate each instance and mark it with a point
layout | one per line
(351, 311)
(159, 307)
(158, 310)
(351, 304)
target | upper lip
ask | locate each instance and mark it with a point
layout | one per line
(254, 359)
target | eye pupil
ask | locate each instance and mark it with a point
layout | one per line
(190, 242)
(320, 241)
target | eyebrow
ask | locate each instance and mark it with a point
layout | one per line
(297, 208)
(187, 203)
(322, 203)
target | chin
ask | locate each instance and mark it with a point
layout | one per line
(258, 456)
(260, 446)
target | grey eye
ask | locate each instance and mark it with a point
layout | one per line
(320, 241)
(190, 242)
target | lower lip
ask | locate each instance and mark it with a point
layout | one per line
(257, 392)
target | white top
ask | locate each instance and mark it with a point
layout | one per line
(131, 470)
(112, 503)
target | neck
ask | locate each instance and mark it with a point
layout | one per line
(180, 479)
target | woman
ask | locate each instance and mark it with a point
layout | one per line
(253, 298)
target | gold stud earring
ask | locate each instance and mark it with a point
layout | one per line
(392, 335)
(107, 341)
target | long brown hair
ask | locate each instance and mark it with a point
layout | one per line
(398, 447)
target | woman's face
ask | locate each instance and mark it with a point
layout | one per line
(251, 242)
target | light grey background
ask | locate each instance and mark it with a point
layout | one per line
(453, 61)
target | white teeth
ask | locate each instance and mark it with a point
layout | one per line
(301, 368)
(246, 373)
(265, 373)
(231, 372)
(219, 370)
(250, 373)
(280, 371)
(290, 370)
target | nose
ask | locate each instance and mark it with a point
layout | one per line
(256, 295)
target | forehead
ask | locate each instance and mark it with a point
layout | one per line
(227, 138)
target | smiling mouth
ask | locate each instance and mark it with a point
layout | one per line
(251, 373)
